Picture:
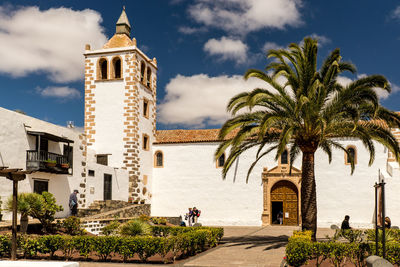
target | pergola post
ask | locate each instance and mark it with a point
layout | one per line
(14, 221)
(15, 175)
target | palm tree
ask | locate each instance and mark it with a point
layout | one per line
(307, 111)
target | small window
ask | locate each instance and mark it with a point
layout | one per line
(159, 159)
(91, 173)
(142, 71)
(40, 186)
(117, 67)
(352, 152)
(221, 161)
(284, 157)
(103, 71)
(102, 159)
(146, 108)
(145, 142)
(148, 77)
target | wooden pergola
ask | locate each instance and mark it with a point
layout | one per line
(14, 175)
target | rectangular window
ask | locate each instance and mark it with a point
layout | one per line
(91, 173)
(102, 159)
(146, 108)
(40, 186)
(145, 142)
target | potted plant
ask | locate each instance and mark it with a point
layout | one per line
(50, 163)
(65, 165)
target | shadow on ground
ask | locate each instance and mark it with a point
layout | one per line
(270, 242)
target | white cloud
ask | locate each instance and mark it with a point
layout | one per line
(396, 13)
(62, 92)
(201, 100)
(50, 41)
(191, 30)
(242, 17)
(227, 49)
(322, 40)
(271, 45)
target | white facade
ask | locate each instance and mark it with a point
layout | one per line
(190, 178)
(14, 143)
(116, 124)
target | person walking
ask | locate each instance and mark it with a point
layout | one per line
(73, 203)
(280, 217)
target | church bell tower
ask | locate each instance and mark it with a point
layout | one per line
(120, 107)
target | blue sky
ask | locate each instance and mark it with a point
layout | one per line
(202, 47)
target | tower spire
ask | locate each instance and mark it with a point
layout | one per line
(123, 26)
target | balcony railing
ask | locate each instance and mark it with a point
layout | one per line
(46, 161)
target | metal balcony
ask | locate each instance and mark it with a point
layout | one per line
(47, 162)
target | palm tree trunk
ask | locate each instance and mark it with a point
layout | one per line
(308, 195)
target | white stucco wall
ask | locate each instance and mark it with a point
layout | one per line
(146, 127)
(189, 178)
(14, 142)
(95, 184)
(109, 96)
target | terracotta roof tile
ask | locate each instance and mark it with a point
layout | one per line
(187, 136)
(211, 135)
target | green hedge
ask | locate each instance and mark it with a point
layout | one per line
(357, 246)
(186, 241)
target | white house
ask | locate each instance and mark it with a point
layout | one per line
(122, 156)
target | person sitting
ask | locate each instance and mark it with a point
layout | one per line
(388, 222)
(345, 223)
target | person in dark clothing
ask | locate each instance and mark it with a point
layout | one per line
(345, 223)
(388, 222)
(73, 203)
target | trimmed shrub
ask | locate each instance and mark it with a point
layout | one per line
(298, 251)
(111, 228)
(72, 226)
(29, 245)
(5, 245)
(127, 247)
(84, 244)
(104, 246)
(180, 240)
(50, 244)
(158, 220)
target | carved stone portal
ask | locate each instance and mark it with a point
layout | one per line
(280, 188)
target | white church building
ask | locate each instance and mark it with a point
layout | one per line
(122, 156)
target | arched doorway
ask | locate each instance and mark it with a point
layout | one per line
(284, 198)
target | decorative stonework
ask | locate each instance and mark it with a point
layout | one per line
(269, 179)
(82, 185)
(131, 139)
(89, 102)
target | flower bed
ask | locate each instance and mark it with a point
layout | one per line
(167, 243)
(355, 247)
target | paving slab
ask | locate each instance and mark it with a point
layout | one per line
(247, 247)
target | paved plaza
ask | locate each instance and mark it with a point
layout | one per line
(241, 246)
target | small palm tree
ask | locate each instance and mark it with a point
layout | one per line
(309, 110)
